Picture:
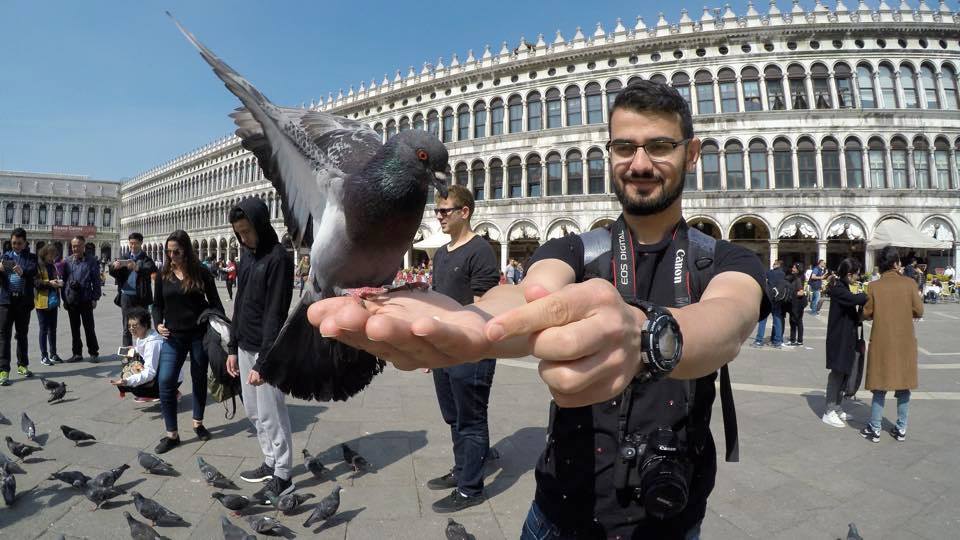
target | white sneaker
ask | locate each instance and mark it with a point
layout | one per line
(833, 419)
(844, 416)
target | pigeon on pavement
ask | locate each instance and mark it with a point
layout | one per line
(76, 435)
(71, 477)
(20, 450)
(289, 502)
(57, 392)
(154, 511)
(456, 531)
(358, 201)
(354, 459)
(109, 478)
(232, 532)
(214, 477)
(232, 502)
(153, 464)
(14, 468)
(99, 495)
(314, 465)
(28, 427)
(48, 384)
(4, 419)
(8, 484)
(140, 530)
(853, 533)
(266, 525)
(325, 509)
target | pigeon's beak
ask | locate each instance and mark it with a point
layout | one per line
(441, 181)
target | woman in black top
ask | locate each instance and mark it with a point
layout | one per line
(796, 301)
(183, 290)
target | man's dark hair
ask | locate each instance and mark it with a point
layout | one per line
(888, 258)
(460, 196)
(135, 236)
(139, 314)
(80, 238)
(236, 214)
(649, 96)
(19, 232)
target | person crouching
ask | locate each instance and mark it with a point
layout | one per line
(141, 379)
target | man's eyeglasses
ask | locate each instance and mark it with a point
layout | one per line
(133, 326)
(658, 150)
(444, 212)
(175, 252)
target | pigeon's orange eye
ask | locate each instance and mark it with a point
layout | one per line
(422, 155)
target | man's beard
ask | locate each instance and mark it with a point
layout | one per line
(638, 206)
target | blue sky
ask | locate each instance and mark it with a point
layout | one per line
(110, 88)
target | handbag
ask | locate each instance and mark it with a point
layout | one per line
(855, 378)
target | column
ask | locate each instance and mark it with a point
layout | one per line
(921, 95)
(740, 105)
(878, 92)
(774, 252)
(843, 166)
(763, 93)
(699, 170)
(832, 82)
(563, 176)
(865, 159)
(796, 170)
(822, 249)
(941, 95)
(952, 162)
(811, 98)
(911, 173)
(888, 164)
(868, 260)
(606, 177)
(747, 168)
(771, 177)
(855, 91)
(899, 89)
(819, 164)
(523, 179)
(504, 253)
(932, 164)
(407, 257)
(956, 255)
(722, 166)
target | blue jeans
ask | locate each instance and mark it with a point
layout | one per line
(172, 356)
(814, 301)
(776, 338)
(903, 408)
(538, 527)
(47, 321)
(463, 393)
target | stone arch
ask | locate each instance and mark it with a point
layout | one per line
(561, 227)
(489, 231)
(891, 216)
(601, 222)
(939, 227)
(753, 232)
(523, 230)
(846, 236)
(798, 225)
(846, 226)
(798, 235)
(707, 225)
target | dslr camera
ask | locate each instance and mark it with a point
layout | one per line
(655, 470)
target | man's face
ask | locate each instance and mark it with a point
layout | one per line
(76, 247)
(248, 235)
(451, 216)
(134, 245)
(18, 243)
(137, 329)
(646, 186)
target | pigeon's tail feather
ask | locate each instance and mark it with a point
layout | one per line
(307, 365)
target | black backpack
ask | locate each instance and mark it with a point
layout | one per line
(220, 385)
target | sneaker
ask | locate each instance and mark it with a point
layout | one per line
(790, 344)
(897, 434)
(167, 444)
(778, 346)
(831, 418)
(869, 434)
(261, 474)
(757, 344)
(277, 485)
(24, 372)
(56, 358)
(446, 481)
(139, 399)
(457, 501)
(46, 361)
(844, 416)
(4, 378)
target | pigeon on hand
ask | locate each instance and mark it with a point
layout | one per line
(4, 419)
(109, 478)
(71, 477)
(154, 511)
(8, 484)
(154, 465)
(76, 435)
(99, 495)
(232, 502)
(354, 459)
(20, 450)
(214, 477)
(266, 525)
(14, 468)
(325, 509)
(456, 531)
(57, 392)
(359, 201)
(28, 427)
(289, 502)
(314, 465)
(140, 530)
(232, 532)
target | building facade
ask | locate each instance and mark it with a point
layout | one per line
(816, 127)
(56, 207)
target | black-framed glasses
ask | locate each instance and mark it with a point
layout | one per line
(657, 150)
(444, 212)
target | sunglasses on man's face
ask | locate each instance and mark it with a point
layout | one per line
(444, 212)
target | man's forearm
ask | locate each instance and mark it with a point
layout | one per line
(713, 331)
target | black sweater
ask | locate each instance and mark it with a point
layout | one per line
(179, 310)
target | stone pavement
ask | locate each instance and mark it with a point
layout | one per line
(797, 478)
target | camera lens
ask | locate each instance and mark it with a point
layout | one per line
(664, 486)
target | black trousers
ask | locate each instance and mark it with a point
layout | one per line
(128, 302)
(230, 287)
(83, 314)
(15, 316)
(796, 323)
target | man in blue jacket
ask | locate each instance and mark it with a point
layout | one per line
(81, 290)
(18, 268)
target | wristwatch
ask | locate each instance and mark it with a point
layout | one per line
(661, 342)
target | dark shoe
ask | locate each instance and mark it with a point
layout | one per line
(447, 481)
(46, 361)
(94, 359)
(74, 358)
(456, 502)
(277, 485)
(897, 434)
(167, 444)
(869, 434)
(202, 433)
(56, 358)
(261, 474)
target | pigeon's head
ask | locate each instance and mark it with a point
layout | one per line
(425, 158)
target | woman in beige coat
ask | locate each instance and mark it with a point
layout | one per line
(892, 304)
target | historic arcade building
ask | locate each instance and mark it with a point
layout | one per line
(816, 125)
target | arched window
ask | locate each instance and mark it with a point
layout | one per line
(418, 121)
(710, 161)
(942, 161)
(929, 87)
(9, 213)
(477, 177)
(750, 78)
(391, 129)
(921, 163)
(554, 109)
(554, 174)
(514, 178)
(853, 155)
(728, 90)
(433, 123)
(821, 86)
(515, 105)
(460, 175)
(75, 216)
(496, 116)
(91, 216)
(868, 99)
(594, 103)
(479, 120)
(843, 79)
(107, 217)
(798, 86)
(534, 176)
(898, 162)
(58, 214)
(909, 83)
(379, 129)
(447, 125)
(574, 172)
(782, 164)
(807, 163)
(42, 215)
(25, 214)
(887, 88)
(496, 179)
(595, 169)
(534, 112)
(705, 103)
(613, 90)
(775, 95)
(733, 160)
(759, 179)
(404, 124)
(949, 79)
(637, 78)
(574, 114)
(463, 122)
(830, 160)
(681, 81)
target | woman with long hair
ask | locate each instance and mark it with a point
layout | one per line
(796, 301)
(183, 290)
(47, 300)
(842, 323)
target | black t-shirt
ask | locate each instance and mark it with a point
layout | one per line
(575, 472)
(467, 271)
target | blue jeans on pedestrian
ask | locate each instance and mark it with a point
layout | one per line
(814, 301)
(776, 337)
(173, 354)
(761, 329)
(463, 392)
(47, 321)
(538, 527)
(903, 408)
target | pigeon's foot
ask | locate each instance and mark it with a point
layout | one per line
(364, 293)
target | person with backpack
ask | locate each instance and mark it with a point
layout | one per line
(47, 300)
(133, 277)
(776, 290)
(843, 321)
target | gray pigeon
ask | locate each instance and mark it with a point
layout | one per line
(289, 502)
(325, 509)
(314, 465)
(456, 531)
(28, 427)
(14, 468)
(154, 464)
(154, 511)
(232, 502)
(99, 495)
(8, 485)
(853, 533)
(109, 478)
(71, 477)
(4, 419)
(19, 449)
(359, 202)
(232, 532)
(355, 460)
(214, 477)
(76, 435)
(266, 525)
(140, 530)
(57, 392)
